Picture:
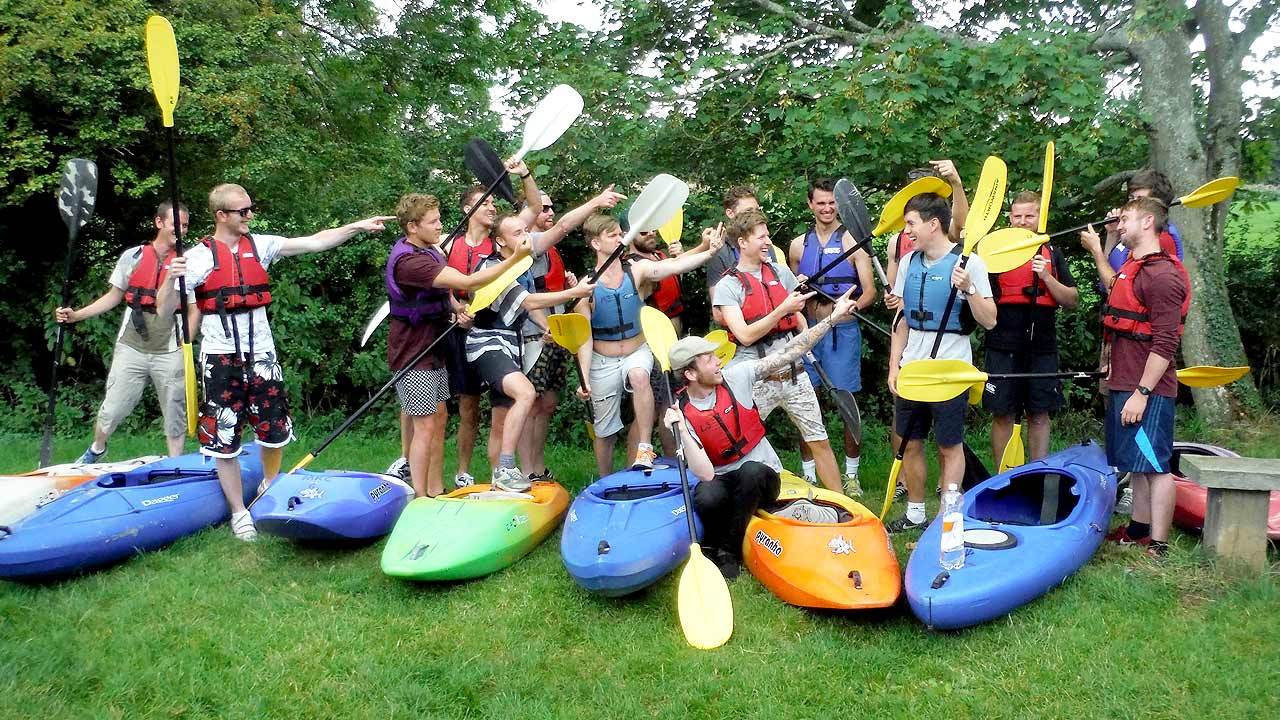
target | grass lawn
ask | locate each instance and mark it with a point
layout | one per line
(212, 627)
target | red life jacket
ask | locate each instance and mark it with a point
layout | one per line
(554, 280)
(465, 259)
(1124, 314)
(144, 281)
(903, 246)
(668, 296)
(728, 431)
(238, 281)
(762, 296)
(1016, 284)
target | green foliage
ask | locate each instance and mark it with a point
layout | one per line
(1252, 262)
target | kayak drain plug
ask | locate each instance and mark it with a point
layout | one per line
(941, 579)
(603, 548)
(294, 502)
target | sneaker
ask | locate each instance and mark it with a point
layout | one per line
(463, 480)
(398, 467)
(1120, 536)
(899, 491)
(1124, 506)
(242, 526)
(852, 487)
(544, 476)
(90, 456)
(904, 523)
(1156, 550)
(510, 480)
(405, 476)
(644, 459)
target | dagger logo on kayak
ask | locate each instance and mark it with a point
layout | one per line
(763, 540)
(159, 500)
(678, 511)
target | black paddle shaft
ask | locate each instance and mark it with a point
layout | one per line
(177, 235)
(684, 473)
(946, 314)
(841, 258)
(861, 318)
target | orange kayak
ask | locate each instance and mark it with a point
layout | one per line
(21, 495)
(817, 548)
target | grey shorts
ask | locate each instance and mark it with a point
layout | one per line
(608, 381)
(797, 397)
(131, 370)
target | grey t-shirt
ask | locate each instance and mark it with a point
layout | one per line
(724, 259)
(729, 292)
(739, 378)
(161, 331)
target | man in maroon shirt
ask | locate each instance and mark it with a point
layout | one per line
(1142, 323)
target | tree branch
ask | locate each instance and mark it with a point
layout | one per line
(1105, 184)
(759, 60)
(1256, 22)
(1112, 40)
(815, 27)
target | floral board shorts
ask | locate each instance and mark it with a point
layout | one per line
(230, 403)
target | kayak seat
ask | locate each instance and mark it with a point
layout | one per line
(120, 480)
(623, 493)
(814, 512)
(1034, 498)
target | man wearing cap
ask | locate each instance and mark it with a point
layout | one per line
(721, 413)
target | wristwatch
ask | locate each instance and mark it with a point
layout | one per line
(1144, 391)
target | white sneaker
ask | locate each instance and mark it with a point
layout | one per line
(644, 459)
(510, 479)
(242, 526)
(852, 487)
(463, 480)
(810, 512)
(394, 468)
(1124, 506)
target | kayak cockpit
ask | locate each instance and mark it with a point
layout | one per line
(1040, 497)
(151, 477)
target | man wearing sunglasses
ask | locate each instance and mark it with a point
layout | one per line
(243, 382)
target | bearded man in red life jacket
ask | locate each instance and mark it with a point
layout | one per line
(1143, 323)
(243, 382)
(148, 346)
(724, 435)
(1025, 338)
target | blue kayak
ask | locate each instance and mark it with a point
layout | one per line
(120, 514)
(627, 530)
(1026, 531)
(334, 505)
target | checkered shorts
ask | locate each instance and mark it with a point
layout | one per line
(422, 392)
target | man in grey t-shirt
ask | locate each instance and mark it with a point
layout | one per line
(147, 346)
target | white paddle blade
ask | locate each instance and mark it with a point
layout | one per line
(550, 119)
(658, 202)
(378, 316)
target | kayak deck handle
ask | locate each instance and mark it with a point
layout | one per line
(857, 579)
(603, 548)
(941, 579)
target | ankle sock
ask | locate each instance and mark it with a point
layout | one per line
(851, 465)
(915, 512)
(507, 461)
(1138, 530)
(809, 468)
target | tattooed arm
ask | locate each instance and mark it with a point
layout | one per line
(805, 340)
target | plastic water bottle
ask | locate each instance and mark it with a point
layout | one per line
(952, 529)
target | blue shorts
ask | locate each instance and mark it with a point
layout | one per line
(840, 352)
(1123, 445)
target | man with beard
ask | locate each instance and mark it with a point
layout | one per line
(243, 382)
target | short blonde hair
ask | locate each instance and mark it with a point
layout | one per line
(413, 207)
(220, 194)
(599, 224)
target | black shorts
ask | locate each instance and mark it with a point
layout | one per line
(228, 404)
(491, 367)
(463, 378)
(946, 418)
(1018, 396)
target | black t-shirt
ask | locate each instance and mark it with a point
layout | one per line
(1013, 321)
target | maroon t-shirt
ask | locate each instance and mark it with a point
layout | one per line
(1161, 288)
(414, 272)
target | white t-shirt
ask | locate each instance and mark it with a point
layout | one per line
(213, 340)
(740, 378)
(162, 333)
(729, 292)
(954, 346)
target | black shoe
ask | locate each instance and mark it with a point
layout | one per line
(903, 523)
(725, 561)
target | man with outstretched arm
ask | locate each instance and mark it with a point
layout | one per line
(924, 283)
(149, 344)
(617, 359)
(418, 282)
(1142, 325)
(1025, 339)
(548, 371)
(728, 434)
(243, 381)
(839, 351)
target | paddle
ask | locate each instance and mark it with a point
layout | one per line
(571, 331)
(1203, 376)
(941, 380)
(706, 610)
(480, 300)
(852, 209)
(1046, 186)
(1015, 454)
(1007, 249)
(891, 215)
(846, 404)
(483, 162)
(162, 62)
(670, 231)
(727, 348)
(76, 195)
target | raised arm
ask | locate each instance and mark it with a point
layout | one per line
(749, 333)
(804, 341)
(537, 301)
(452, 279)
(652, 271)
(532, 195)
(1090, 241)
(575, 217)
(959, 202)
(333, 237)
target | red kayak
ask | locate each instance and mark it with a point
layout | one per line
(1189, 507)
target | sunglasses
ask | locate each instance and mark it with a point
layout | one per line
(243, 212)
(548, 208)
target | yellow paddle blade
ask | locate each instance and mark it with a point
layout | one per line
(888, 489)
(1046, 187)
(937, 380)
(659, 333)
(727, 348)
(162, 62)
(670, 230)
(570, 330)
(1010, 248)
(1204, 376)
(706, 610)
(891, 216)
(975, 393)
(1214, 191)
(485, 296)
(1015, 455)
(778, 256)
(190, 372)
(987, 201)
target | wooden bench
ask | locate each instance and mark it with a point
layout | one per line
(1235, 522)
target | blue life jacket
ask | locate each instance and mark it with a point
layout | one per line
(422, 305)
(925, 295)
(816, 256)
(615, 314)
